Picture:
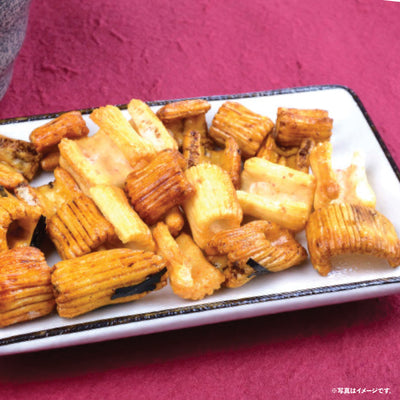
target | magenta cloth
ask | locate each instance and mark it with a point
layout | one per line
(80, 54)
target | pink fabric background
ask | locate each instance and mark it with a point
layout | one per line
(81, 54)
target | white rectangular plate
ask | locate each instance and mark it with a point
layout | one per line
(353, 278)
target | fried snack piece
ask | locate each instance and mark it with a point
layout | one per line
(9, 177)
(155, 188)
(348, 228)
(270, 151)
(340, 186)
(18, 221)
(105, 277)
(78, 228)
(50, 161)
(88, 161)
(327, 187)
(187, 117)
(20, 155)
(229, 160)
(175, 221)
(190, 274)
(69, 125)
(214, 206)
(52, 196)
(25, 288)
(296, 157)
(113, 123)
(353, 183)
(276, 193)
(183, 109)
(128, 226)
(149, 126)
(272, 247)
(301, 161)
(198, 123)
(175, 129)
(192, 149)
(246, 127)
(293, 125)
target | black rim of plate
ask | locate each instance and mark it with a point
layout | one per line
(115, 321)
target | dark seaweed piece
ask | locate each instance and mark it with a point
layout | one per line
(258, 268)
(3, 191)
(39, 232)
(149, 284)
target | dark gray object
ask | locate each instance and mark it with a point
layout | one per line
(13, 22)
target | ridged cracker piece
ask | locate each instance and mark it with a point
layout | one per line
(272, 247)
(25, 288)
(214, 205)
(105, 277)
(293, 125)
(157, 187)
(78, 228)
(348, 228)
(69, 125)
(183, 109)
(247, 127)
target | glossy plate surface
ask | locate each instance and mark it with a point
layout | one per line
(353, 278)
